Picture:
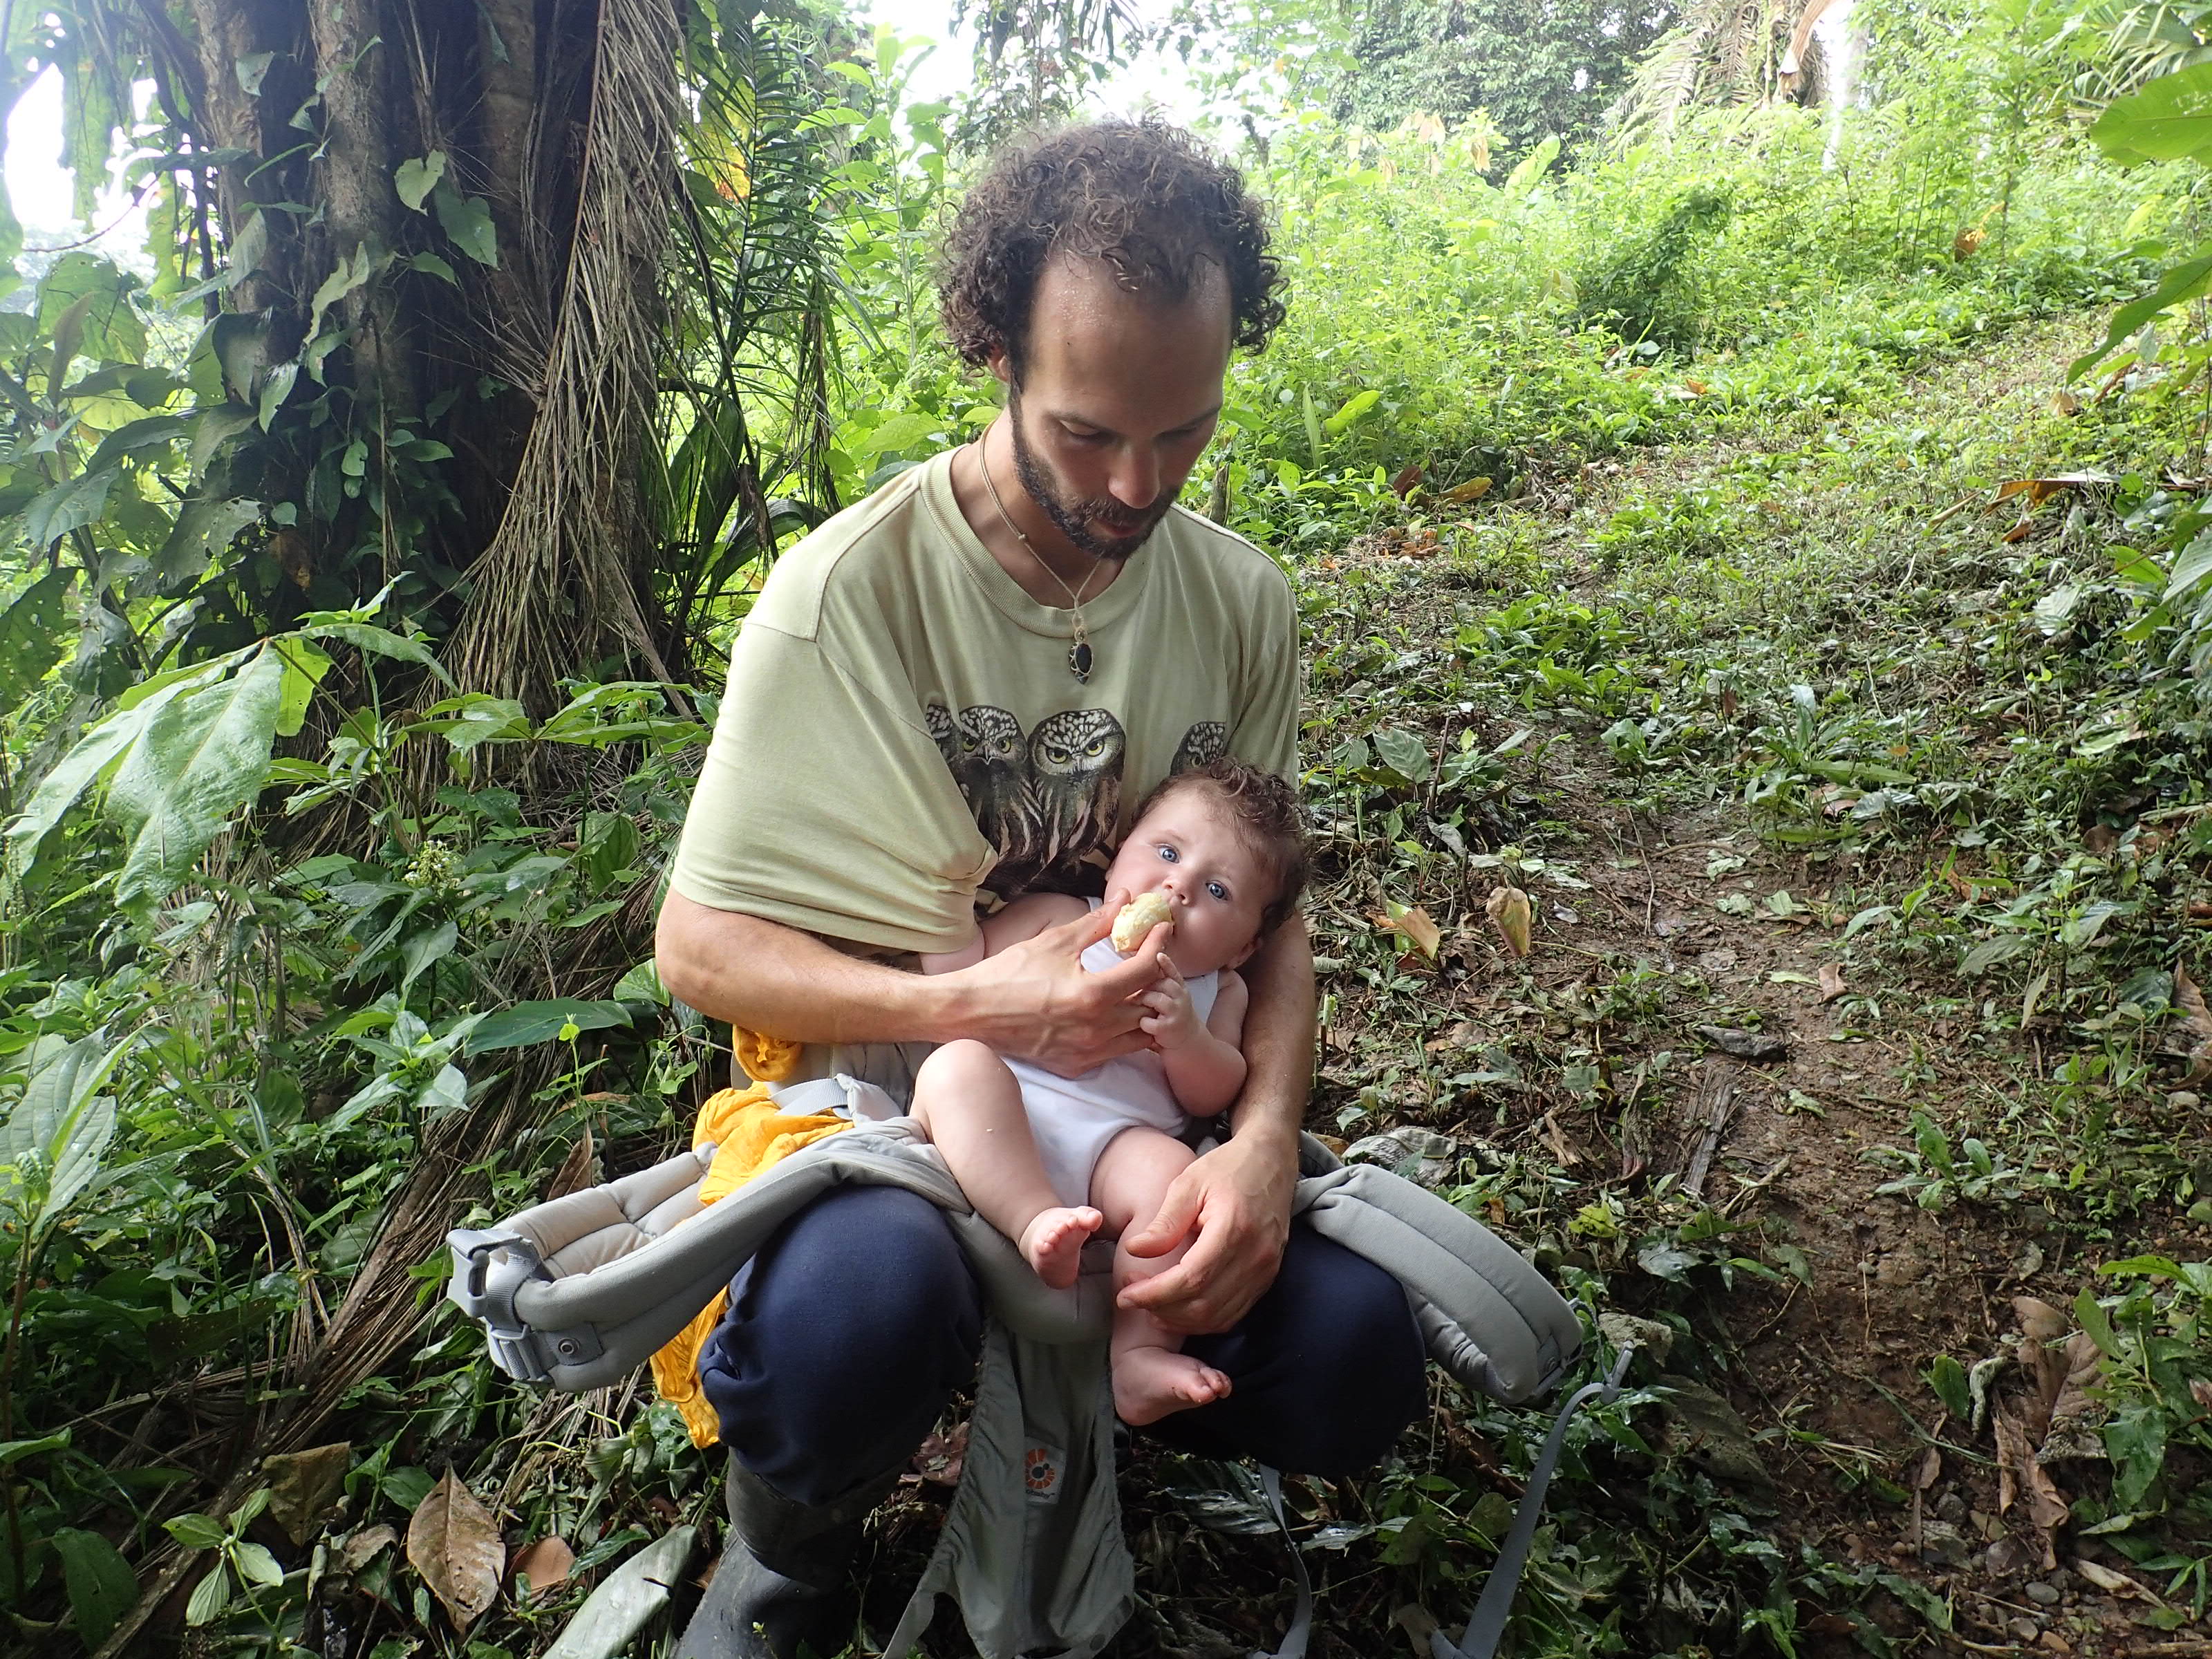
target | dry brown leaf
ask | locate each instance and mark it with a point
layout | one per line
(2040, 490)
(1472, 490)
(365, 1546)
(1696, 388)
(1557, 1141)
(2073, 1414)
(2197, 1020)
(2112, 1583)
(1931, 1465)
(454, 1543)
(1415, 927)
(940, 1458)
(1404, 484)
(1964, 245)
(1831, 981)
(2018, 1473)
(2042, 1325)
(576, 1171)
(304, 1487)
(2200, 1391)
(2063, 402)
(544, 1563)
(1508, 912)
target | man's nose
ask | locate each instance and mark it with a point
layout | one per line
(1136, 477)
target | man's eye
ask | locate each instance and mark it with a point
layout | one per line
(1082, 437)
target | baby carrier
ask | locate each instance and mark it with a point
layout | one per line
(578, 1291)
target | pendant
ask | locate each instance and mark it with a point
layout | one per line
(1078, 661)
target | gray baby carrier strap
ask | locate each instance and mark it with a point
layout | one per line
(577, 1291)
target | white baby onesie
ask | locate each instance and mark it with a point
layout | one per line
(1073, 1117)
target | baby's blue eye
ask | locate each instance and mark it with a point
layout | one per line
(1217, 891)
(1169, 854)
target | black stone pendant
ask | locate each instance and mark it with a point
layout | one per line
(1078, 661)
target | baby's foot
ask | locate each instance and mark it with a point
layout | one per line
(1149, 1383)
(1053, 1243)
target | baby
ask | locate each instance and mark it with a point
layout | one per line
(1050, 1160)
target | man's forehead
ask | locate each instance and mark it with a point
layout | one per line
(1096, 347)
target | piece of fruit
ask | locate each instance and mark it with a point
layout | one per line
(1139, 917)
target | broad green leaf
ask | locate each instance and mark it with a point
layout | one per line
(251, 68)
(31, 636)
(201, 760)
(528, 1022)
(2177, 284)
(351, 273)
(71, 505)
(204, 530)
(414, 179)
(63, 1120)
(421, 949)
(305, 665)
(76, 772)
(467, 220)
(247, 249)
(2135, 1439)
(2190, 567)
(14, 1451)
(274, 390)
(626, 1601)
(366, 636)
(2165, 120)
(1947, 1378)
(94, 295)
(101, 1586)
(1404, 753)
(1355, 409)
(256, 1565)
(210, 1597)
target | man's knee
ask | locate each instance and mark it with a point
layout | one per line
(846, 1334)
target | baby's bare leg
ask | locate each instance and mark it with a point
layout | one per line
(972, 1105)
(1153, 1377)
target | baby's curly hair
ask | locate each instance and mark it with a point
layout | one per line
(1268, 813)
(1143, 196)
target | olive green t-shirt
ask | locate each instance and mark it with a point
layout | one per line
(902, 740)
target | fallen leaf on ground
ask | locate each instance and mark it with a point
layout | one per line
(2197, 1020)
(454, 1543)
(1558, 1142)
(544, 1563)
(2112, 1583)
(1415, 927)
(1403, 484)
(2038, 490)
(576, 1171)
(303, 1485)
(938, 1460)
(1508, 912)
(1831, 981)
(364, 1546)
(1758, 1047)
(2018, 1474)
(1472, 490)
(1931, 1465)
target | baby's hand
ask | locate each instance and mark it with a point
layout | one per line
(1170, 1019)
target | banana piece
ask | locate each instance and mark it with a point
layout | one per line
(1139, 917)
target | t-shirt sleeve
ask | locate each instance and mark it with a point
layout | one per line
(1265, 730)
(825, 805)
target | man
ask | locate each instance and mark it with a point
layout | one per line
(951, 693)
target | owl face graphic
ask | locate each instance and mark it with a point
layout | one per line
(1075, 778)
(990, 763)
(1208, 740)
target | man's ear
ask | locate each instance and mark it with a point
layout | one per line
(1002, 366)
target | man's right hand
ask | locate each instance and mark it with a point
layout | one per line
(1035, 1000)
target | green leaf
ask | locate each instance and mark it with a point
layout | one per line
(204, 530)
(255, 1563)
(84, 307)
(467, 220)
(2165, 120)
(366, 636)
(31, 637)
(529, 1023)
(1404, 753)
(201, 760)
(14, 1451)
(351, 273)
(61, 1120)
(2191, 566)
(1946, 1377)
(627, 1599)
(197, 1532)
(305, 665)
(76, 772)
(2093, 1319)
(2177, 284)
(71, 505)
(1355, 409)
(421, 949)
(252, 69)
(2135, 1439)
(414, 179)
(275, 390)
(210, 1597)
(101, 1586)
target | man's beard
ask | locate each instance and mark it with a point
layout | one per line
(1102, 527)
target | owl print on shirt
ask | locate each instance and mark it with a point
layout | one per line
(1050, 798)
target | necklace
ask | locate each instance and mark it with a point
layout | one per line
(1079, 656)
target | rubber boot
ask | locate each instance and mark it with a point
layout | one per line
(783, 1586)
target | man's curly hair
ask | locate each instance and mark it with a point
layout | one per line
(1143, 196)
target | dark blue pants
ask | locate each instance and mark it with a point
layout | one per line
(848, 1333)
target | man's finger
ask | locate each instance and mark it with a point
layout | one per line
(1124, 980)
(1170, 1223)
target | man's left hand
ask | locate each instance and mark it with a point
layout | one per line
(1233, 1207)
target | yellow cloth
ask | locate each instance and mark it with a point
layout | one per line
(749, 1135)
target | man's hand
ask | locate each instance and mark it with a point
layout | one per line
(1035, 1000)
(1236, 1201)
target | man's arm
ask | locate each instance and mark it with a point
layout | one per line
(1033, 999)
(1236, 1198)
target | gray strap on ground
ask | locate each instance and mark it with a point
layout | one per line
(1487, 1624)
